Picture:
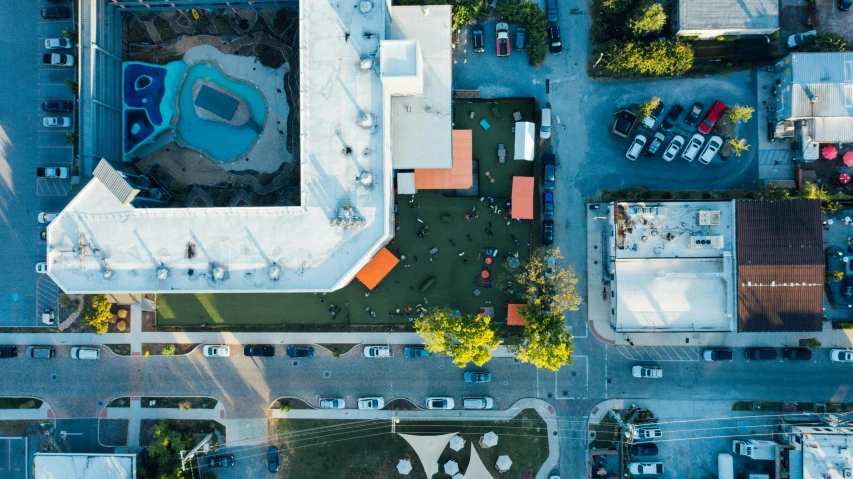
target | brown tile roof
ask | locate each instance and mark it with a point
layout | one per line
(780, 265)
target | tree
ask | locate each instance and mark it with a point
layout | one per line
(70, 34)
(96, 313)
(615, 6)
(811, 343)
(638, 59)
(168, 350)
(739, 113)
(738, 145)
(825, 42)
(72, 86)
(163, 452)
(545, 343)
(646, 108)
(647, 19)
(546, 285)
(466, 10)
(530, 15)
(72, 137)
(467, 338)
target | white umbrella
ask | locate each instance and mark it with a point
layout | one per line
(488, 440)
(457, 443)
(503, 464)
(404, 466)
(451, 467)
(458, 475)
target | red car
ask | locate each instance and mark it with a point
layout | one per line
(714, 114)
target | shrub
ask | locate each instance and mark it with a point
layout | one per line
(72, 137)
(121, 325)
(655, 59)
(168, 350)
(533, 18)
(647, 19)
(122, 314)
(96, 313)
(739, 113)
(811, 343)
(185, 405)
(825, 42)
(466, 10)
(648, 107)
(265, 178)
(285, 406)
(268, 56)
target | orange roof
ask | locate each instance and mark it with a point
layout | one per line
(522, 197)
(459, 177)
(377, 268)
(513, 316)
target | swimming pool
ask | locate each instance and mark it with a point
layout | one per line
(219, 141)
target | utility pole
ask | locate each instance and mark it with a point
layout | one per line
(188, 456)
(394, 421)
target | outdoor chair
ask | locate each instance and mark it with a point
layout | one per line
(501, 153)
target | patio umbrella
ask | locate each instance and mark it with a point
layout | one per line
(848, 158)
(503, 464)
(830, 152)
(451, 467)
(458, 476)
(488, 440)
(457, 443)
(404, 466)
(844, 178)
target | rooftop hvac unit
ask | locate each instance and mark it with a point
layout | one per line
(709, 218)
(705, 242)
(649, 211)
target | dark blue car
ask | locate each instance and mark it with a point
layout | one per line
(548, 203)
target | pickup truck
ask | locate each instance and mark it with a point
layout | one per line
(60, 59)
(502, 40)
(52, 172)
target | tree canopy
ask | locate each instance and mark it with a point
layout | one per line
(647, 107)
(825, 42)
(545, 343)
(530, 15)
(739, 113)
(468, 338)
(647, 19)
(164, 460)
(546, 284)
(96, 313)
(638, 59)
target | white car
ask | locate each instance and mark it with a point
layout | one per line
(673, 148)
(645, 468)
(44, 217)
(636, 147)
(647, 432)
(56, 121)
(41, 268)
(371, 403)
(440, 403)
(798, 39)
(652, 372)
(545, 126)
(332, 403)
(54, 43)
(216, 351)
(692, 148)
(710, 150)
(841, 355)
(377, 352)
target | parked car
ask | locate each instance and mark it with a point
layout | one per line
(479, 34)
(551, 11)
(502, 39)
(377, 352)
(547, 232)
(652, 119)
(477, 377)
(295, 352)
(841, 356)
(654, 146)
(41, 352)
(645, 468)
(41, 268)
(671, 118)
(8, 351)
(694, 113)
(549, 171)
(371, 403)
(636, 147)
(54, 43)
(545, 123)
(272, 459)
(258, 350)
(760, 354)
(718, 355)
(644, 449)
(548, 203)
(844, 5)
(798, 39)
(216, 351)
(647, 372)
(440, 403)
(710, 150)
(56, 122)
(692, 148)
(674, 147)
(797, 354)
(478, 403)
(624, 123)
(52, 172)
(84, 353)
(647, 432)
(225, 460)
(520, 38)
(57, 106)
(45, 217)
(555, 45)
(714, 114)
(416, 352)
(332, 403)
(55, 13)
(58, 59)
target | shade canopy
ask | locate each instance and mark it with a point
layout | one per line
(451, 468)
(476, 468)
(377, 268)
(513, 316)
(428, 448)
(504, 463)
(457, 443)
(525, 140)
(522, 197)
(490, 439)
(404, 466)
(848, 158)
(844, 178)
(458, 475)
(829, 152)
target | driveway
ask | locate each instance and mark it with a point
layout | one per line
(830, 19)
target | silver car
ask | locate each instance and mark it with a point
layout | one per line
(636, 147)
(692, 148)
(710, 150)
(673, 148)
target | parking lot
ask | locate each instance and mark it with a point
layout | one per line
(25, 144)
(14, 454)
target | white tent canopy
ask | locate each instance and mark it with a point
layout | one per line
(476, 468)
(406, 184)
(404, 466)
(457, 443)
(428, 448)
(525, 140)
(503, 464)
(490, 439)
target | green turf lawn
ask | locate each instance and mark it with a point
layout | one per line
(454, 278)
(485, 143)
(367, 449)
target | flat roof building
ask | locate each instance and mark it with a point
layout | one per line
(713, 18)
(84, 466)
(819, 451)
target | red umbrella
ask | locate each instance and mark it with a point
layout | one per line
(844, 178)
(830, 152)
(848, 158)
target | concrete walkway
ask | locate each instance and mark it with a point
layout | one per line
(40, 414)
(543, 408)
(136, 413)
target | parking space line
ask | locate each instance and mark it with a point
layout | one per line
(669, 355)
(676, 352)
(50, 187)
(47, 295)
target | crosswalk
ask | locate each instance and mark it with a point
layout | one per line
(660, 353)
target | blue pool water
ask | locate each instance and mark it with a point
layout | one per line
(219, 141)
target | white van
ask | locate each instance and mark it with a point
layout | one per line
(85, 353)
(545, 126)
(478, 403)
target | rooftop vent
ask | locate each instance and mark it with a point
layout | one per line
(218, 273)
(705, 242)
(162, 273)
(274, 272)
(366, 62)
(365, 6)
(709, 218)
(366, 120)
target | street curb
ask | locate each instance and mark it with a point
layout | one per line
(599, 336)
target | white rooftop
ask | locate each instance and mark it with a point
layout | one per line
(98, 244)
(826, 456)
(84, 466)
(728, 14)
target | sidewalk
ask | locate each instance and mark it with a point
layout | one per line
(598, 304)
(136, 413)
(543, 408)
(40, 414)
(665, 410)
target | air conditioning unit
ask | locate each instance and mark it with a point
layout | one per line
(709, 218)
(705, 242)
